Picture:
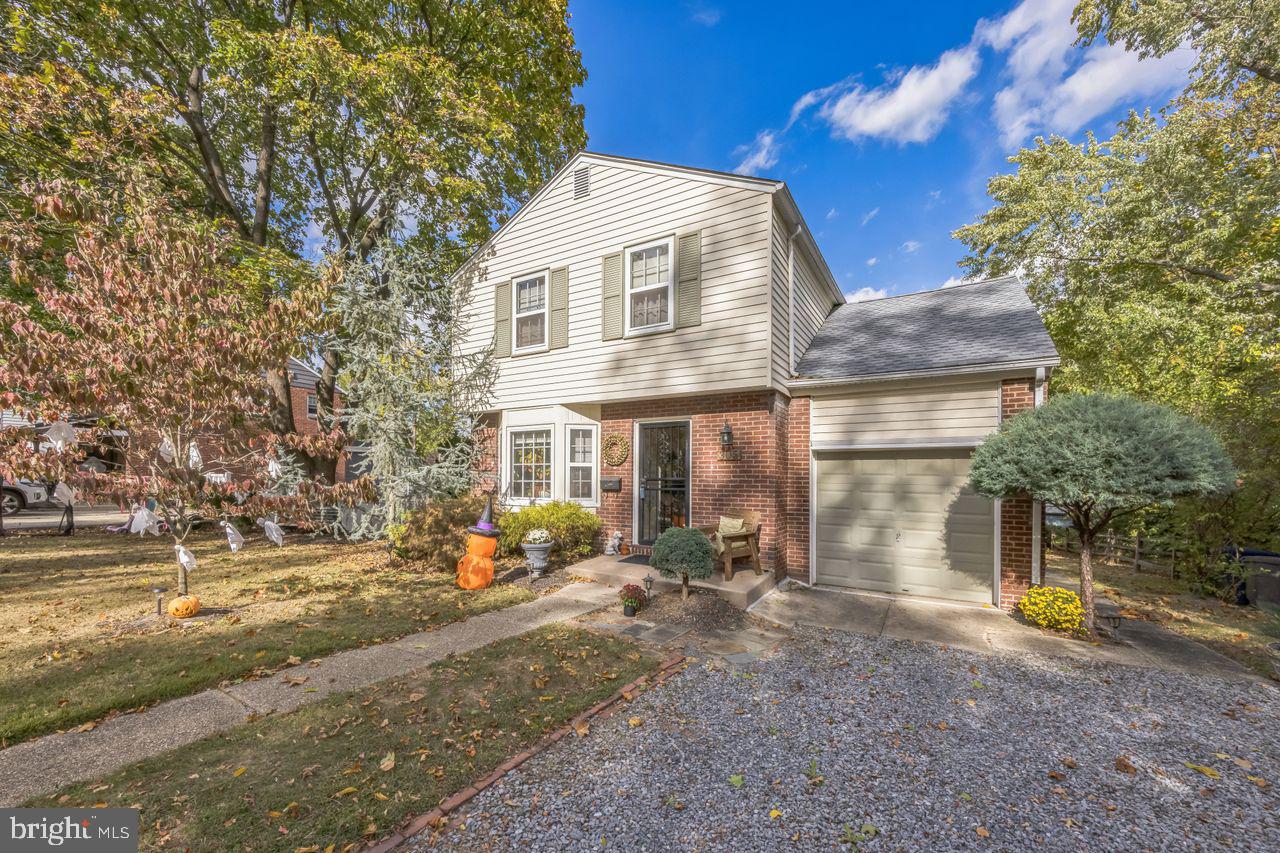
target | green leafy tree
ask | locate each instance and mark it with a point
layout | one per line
(1154, 254)
(321, 125)
(1100, 457)
(683, 552)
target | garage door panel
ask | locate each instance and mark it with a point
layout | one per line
(903, 522)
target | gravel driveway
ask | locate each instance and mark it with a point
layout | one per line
(896, 745)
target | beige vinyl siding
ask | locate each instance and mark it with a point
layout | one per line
(780, 352)
(729, 350)
(813, 301)
(812, 304)
(935, 411)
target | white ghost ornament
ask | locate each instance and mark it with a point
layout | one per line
(144, 521)
(273, 531)
(234, 540)
(185, 558)
(61, 434)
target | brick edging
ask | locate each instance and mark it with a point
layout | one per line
(436, 816)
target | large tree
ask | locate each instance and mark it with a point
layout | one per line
(1100, 457)
(319, 124)
(1154, 254)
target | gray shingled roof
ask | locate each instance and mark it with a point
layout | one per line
(981, 324)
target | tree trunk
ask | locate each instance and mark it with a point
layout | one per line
(1086, 580)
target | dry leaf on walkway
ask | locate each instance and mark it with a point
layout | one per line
(1200, 768)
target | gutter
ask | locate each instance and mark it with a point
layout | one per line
(971, 369)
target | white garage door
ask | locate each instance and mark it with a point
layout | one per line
(903, 522)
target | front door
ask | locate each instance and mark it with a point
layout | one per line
(663, 459)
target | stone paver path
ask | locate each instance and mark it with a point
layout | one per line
(46, 764)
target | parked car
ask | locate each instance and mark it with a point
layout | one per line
(20, 494)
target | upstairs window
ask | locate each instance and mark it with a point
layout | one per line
(650, 286)
(530, 312)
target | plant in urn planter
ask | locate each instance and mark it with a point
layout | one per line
(537, 547)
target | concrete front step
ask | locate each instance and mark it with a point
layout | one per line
(744, 590)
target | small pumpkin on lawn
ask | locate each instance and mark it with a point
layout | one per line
(184, 607)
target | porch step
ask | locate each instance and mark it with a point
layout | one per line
(745, 589)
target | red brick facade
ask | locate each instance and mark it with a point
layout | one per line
(748, 478)
(795, 489)
(1016, 395)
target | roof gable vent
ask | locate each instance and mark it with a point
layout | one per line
(582, 182)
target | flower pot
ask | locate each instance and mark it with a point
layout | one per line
(535, 555)
(628, 610)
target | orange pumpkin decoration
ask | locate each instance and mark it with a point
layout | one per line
(184, 607)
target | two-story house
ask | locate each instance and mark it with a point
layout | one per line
(671, 346)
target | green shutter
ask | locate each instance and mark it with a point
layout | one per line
(502, 319)
(611, 290)
(559, 307)
(689, 280)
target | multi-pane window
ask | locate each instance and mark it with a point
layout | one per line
(649, 286)
(312, 406)
(530, 464)
(582, 463)
(530, 296)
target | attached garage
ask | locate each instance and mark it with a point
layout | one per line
(903, 522)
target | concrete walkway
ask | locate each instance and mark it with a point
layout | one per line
(986, 629)
(46, 764)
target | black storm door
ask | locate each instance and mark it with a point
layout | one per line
(664, 478)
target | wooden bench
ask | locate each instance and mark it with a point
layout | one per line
(736, 545)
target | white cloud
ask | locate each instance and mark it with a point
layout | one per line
(870, 215)
(759, 155)
(832, 213)
(911, 108)
(706, 16)
(910, 246)
(871, 262)
(1054, 86)
(862, 294)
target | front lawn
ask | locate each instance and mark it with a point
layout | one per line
(353, 767)
(1240, 633)
(78, 636)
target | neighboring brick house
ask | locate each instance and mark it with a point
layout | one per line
(671, 346)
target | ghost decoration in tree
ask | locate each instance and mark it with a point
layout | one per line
(234, 540)
(273, 531)
(144, 521)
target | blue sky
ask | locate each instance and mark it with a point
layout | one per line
(886, 119)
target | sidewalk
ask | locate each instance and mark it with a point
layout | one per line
(46, 764)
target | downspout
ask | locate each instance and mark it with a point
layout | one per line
(1037, 510)
(791, 302)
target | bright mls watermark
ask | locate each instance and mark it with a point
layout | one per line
(72, 830)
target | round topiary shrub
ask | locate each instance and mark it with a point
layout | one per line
(685, 553)
(1052, 607)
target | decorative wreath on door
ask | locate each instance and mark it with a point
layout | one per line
(615, 449)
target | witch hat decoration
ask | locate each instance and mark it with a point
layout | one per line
(485, 526)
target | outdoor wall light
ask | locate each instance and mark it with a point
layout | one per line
(726, 436)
